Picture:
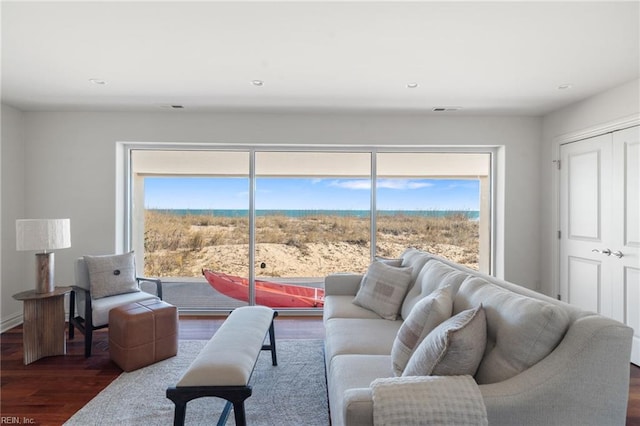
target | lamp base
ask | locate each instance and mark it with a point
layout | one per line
(44, 272)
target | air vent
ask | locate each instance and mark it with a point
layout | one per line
(449, 108)
(170, 106)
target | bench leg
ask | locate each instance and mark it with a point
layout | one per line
(234, 396)
(238, 411)
(272, 341)
(179, 413)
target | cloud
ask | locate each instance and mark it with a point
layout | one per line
(400, 184)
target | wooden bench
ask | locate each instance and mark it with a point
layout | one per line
(224, 366)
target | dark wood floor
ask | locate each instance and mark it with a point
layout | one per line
(51, 390)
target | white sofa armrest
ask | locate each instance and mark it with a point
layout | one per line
(345, 284)
(594, 355)
(358, 407)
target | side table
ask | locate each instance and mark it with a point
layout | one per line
(43, 330)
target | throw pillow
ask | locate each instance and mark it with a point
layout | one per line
(112, 274)
(389, 261)
(383, 288)
(453, 348)
(427, 314)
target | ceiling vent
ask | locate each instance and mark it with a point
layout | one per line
(443, 109)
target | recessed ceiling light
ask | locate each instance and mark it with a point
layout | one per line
(257, 83)
(98, 81)
(565, 86)
(412, 85)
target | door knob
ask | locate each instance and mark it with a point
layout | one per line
(605, 252)
(617, 254)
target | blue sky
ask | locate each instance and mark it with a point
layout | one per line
(311, 194)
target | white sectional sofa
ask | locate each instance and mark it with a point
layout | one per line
(544, 362)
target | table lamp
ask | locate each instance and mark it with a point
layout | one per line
(43, 234)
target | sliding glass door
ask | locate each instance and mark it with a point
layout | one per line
(190, 218)
(312, 219)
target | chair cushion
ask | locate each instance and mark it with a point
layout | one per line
(383, 288)
(112, 274)
(454, 348)
(100, 307)
(426, 315)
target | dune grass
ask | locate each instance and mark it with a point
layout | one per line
(181, 245)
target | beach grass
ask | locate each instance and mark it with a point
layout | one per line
(308, 246)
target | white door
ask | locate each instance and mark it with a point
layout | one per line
(600, 220)
(585, 223)
(625, 244)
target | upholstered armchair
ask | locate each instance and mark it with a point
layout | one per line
(101, 284)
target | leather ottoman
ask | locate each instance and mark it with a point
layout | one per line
(143, 333)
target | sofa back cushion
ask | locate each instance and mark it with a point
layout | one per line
(520, 330)
(434, 275)
(412, 258)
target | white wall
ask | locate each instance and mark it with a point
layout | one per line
(12, 172)
(71, 170)
(607, 111)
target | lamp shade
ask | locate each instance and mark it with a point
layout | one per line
(43, 234)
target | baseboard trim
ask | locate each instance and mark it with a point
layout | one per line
(10, 322)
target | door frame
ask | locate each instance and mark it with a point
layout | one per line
(558, 141)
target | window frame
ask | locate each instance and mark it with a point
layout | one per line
(125, 191)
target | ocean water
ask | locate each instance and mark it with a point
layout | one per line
(470, 214)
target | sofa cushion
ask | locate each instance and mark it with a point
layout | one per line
(520, 330)
(112, 274)
(343, 307)
(426, 315)
(383, 289)
(415, 259)
(434, 274)
(348, 383)
(360, 336)
(453, 348)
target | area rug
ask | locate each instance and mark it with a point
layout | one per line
(292, 393)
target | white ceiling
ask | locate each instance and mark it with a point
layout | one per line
(486, 57)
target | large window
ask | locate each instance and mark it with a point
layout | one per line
(438, 202)
(268, 225)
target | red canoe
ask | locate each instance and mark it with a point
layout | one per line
(270, 294)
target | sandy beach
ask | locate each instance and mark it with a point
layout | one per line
(178, 246)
